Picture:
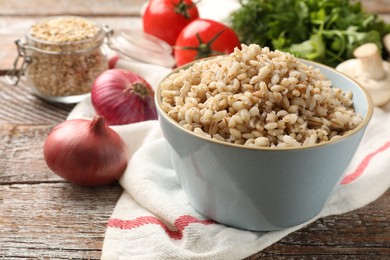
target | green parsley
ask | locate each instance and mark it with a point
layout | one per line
(326, 31)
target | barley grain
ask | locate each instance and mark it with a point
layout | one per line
(258, 97)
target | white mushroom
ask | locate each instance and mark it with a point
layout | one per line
(370, 71)
(386, 42)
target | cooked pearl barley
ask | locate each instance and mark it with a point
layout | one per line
(271, 126)
(262, 142)
(260, 98)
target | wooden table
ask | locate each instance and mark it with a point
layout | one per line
(44, 217)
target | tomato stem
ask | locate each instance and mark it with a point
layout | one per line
(182, 8)
(203, 49)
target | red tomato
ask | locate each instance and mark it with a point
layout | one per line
(166, 18)
(203, 38)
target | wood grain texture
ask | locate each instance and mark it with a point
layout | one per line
(44, 217)
(360, 234)
(54, 220)
(19, 105)
(75, 7)
(377, 6)
(21, 160)
(112, 8)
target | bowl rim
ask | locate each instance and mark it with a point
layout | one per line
(361, 126)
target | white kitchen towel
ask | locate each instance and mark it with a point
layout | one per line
(154, 220)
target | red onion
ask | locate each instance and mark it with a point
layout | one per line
(112, 61)
(86, 152)
(123, 97)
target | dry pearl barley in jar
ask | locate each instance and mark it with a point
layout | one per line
(66, 57)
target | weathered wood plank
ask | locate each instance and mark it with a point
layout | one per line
(361, 234)
(19, 105)
(44, 217)
(113, 7)
(54, 221)
(377, 6)
(41, 215)
(75, 7)
(21, 158)
(62, 221)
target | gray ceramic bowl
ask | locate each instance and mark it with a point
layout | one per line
(263, 189)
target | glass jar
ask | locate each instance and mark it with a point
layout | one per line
(63, 56)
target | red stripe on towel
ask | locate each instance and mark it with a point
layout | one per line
(180, 224)
(363, 164)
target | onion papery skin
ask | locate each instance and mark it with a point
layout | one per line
(114, 97)
(85, 152)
